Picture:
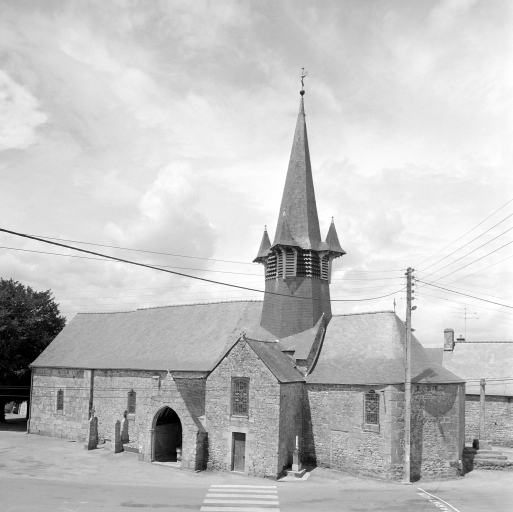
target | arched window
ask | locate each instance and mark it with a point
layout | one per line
(60, 400)
(131, 402)
(371, 408)
(240, 396)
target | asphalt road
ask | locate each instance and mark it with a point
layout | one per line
(46, 474)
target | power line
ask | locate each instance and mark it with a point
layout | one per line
(142, 250)
(187, 256)
(181, 274)
(186, 268)
(474, 250)
(492, 265)
(474, 239)
(468, 264)
(454, 241)
(465, 294)
(466, 304)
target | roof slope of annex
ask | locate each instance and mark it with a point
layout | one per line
(180, 338)
(483, 360)
(369, 349)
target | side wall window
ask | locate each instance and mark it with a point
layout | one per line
(131, 402)
(240, 396)
(371, 408)
(60, 400)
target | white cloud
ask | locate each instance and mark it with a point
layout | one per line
(20, 115)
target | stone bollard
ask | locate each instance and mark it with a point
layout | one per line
(91, 442)
(124, 430)
(117, 445)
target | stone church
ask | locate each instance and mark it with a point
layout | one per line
(234, 386)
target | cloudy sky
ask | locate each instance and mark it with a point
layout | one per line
(166, 126)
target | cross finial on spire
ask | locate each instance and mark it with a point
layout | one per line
(303, 75)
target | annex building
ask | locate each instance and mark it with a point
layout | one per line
(232, 386)
(487, 367)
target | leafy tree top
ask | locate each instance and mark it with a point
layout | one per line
(29, 321)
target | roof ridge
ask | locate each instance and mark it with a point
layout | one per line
(167, 306)
(456, 341)
(367, 313)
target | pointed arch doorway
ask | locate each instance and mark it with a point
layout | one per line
(167, 436)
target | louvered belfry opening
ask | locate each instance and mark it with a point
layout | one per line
(298, 263)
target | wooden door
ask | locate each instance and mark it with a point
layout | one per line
(239, 451)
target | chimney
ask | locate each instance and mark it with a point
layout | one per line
(449, 340)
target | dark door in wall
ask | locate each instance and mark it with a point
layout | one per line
(239, 451)
(168, 436)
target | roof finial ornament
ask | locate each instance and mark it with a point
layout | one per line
(303, 75)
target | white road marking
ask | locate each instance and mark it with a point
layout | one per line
(224, 489)
(263, 495)
(249, 496)
(436, 500)
(246, 486)
(242, 502)
(238, 509)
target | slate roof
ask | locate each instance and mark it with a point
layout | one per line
(435, 354)
(332, 240)
(483, 360)
(180, 338)
(298, 201)
(369, 349)
(281, 365)
(301, 343)
(265, 245)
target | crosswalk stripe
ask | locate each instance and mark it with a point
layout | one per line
(238, 509)
(220, 498)
(246, 486)
(249, 496)
(263, 491)
(243, 502)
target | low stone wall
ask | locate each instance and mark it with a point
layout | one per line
(498, 419)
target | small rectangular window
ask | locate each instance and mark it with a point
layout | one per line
(372, 408)
(240, 396)
(131, 402)
(60, 400)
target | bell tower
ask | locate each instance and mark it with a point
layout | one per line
(298, 263)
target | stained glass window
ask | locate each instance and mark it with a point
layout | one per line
(372, 408)
(240, 396)
(60, 400)
(131, 402)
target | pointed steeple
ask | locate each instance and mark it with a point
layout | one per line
(332, 240)
(265, 245)
(298, 201)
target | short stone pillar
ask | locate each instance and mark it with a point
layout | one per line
(117, 445)
(124, 428)
(91, 441)
(297, 469)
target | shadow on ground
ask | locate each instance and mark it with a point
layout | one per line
(13, 423)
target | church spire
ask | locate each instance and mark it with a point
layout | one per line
(298, 207)
(298, 264)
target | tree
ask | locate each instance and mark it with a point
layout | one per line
(29, 321)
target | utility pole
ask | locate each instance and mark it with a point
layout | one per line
(407, 379)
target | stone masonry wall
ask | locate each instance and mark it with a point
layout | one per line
(261, 426)
(336, 436)
(498, 419)
(436, 434)
(184, 392)
(45, 419)
(291, 422)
